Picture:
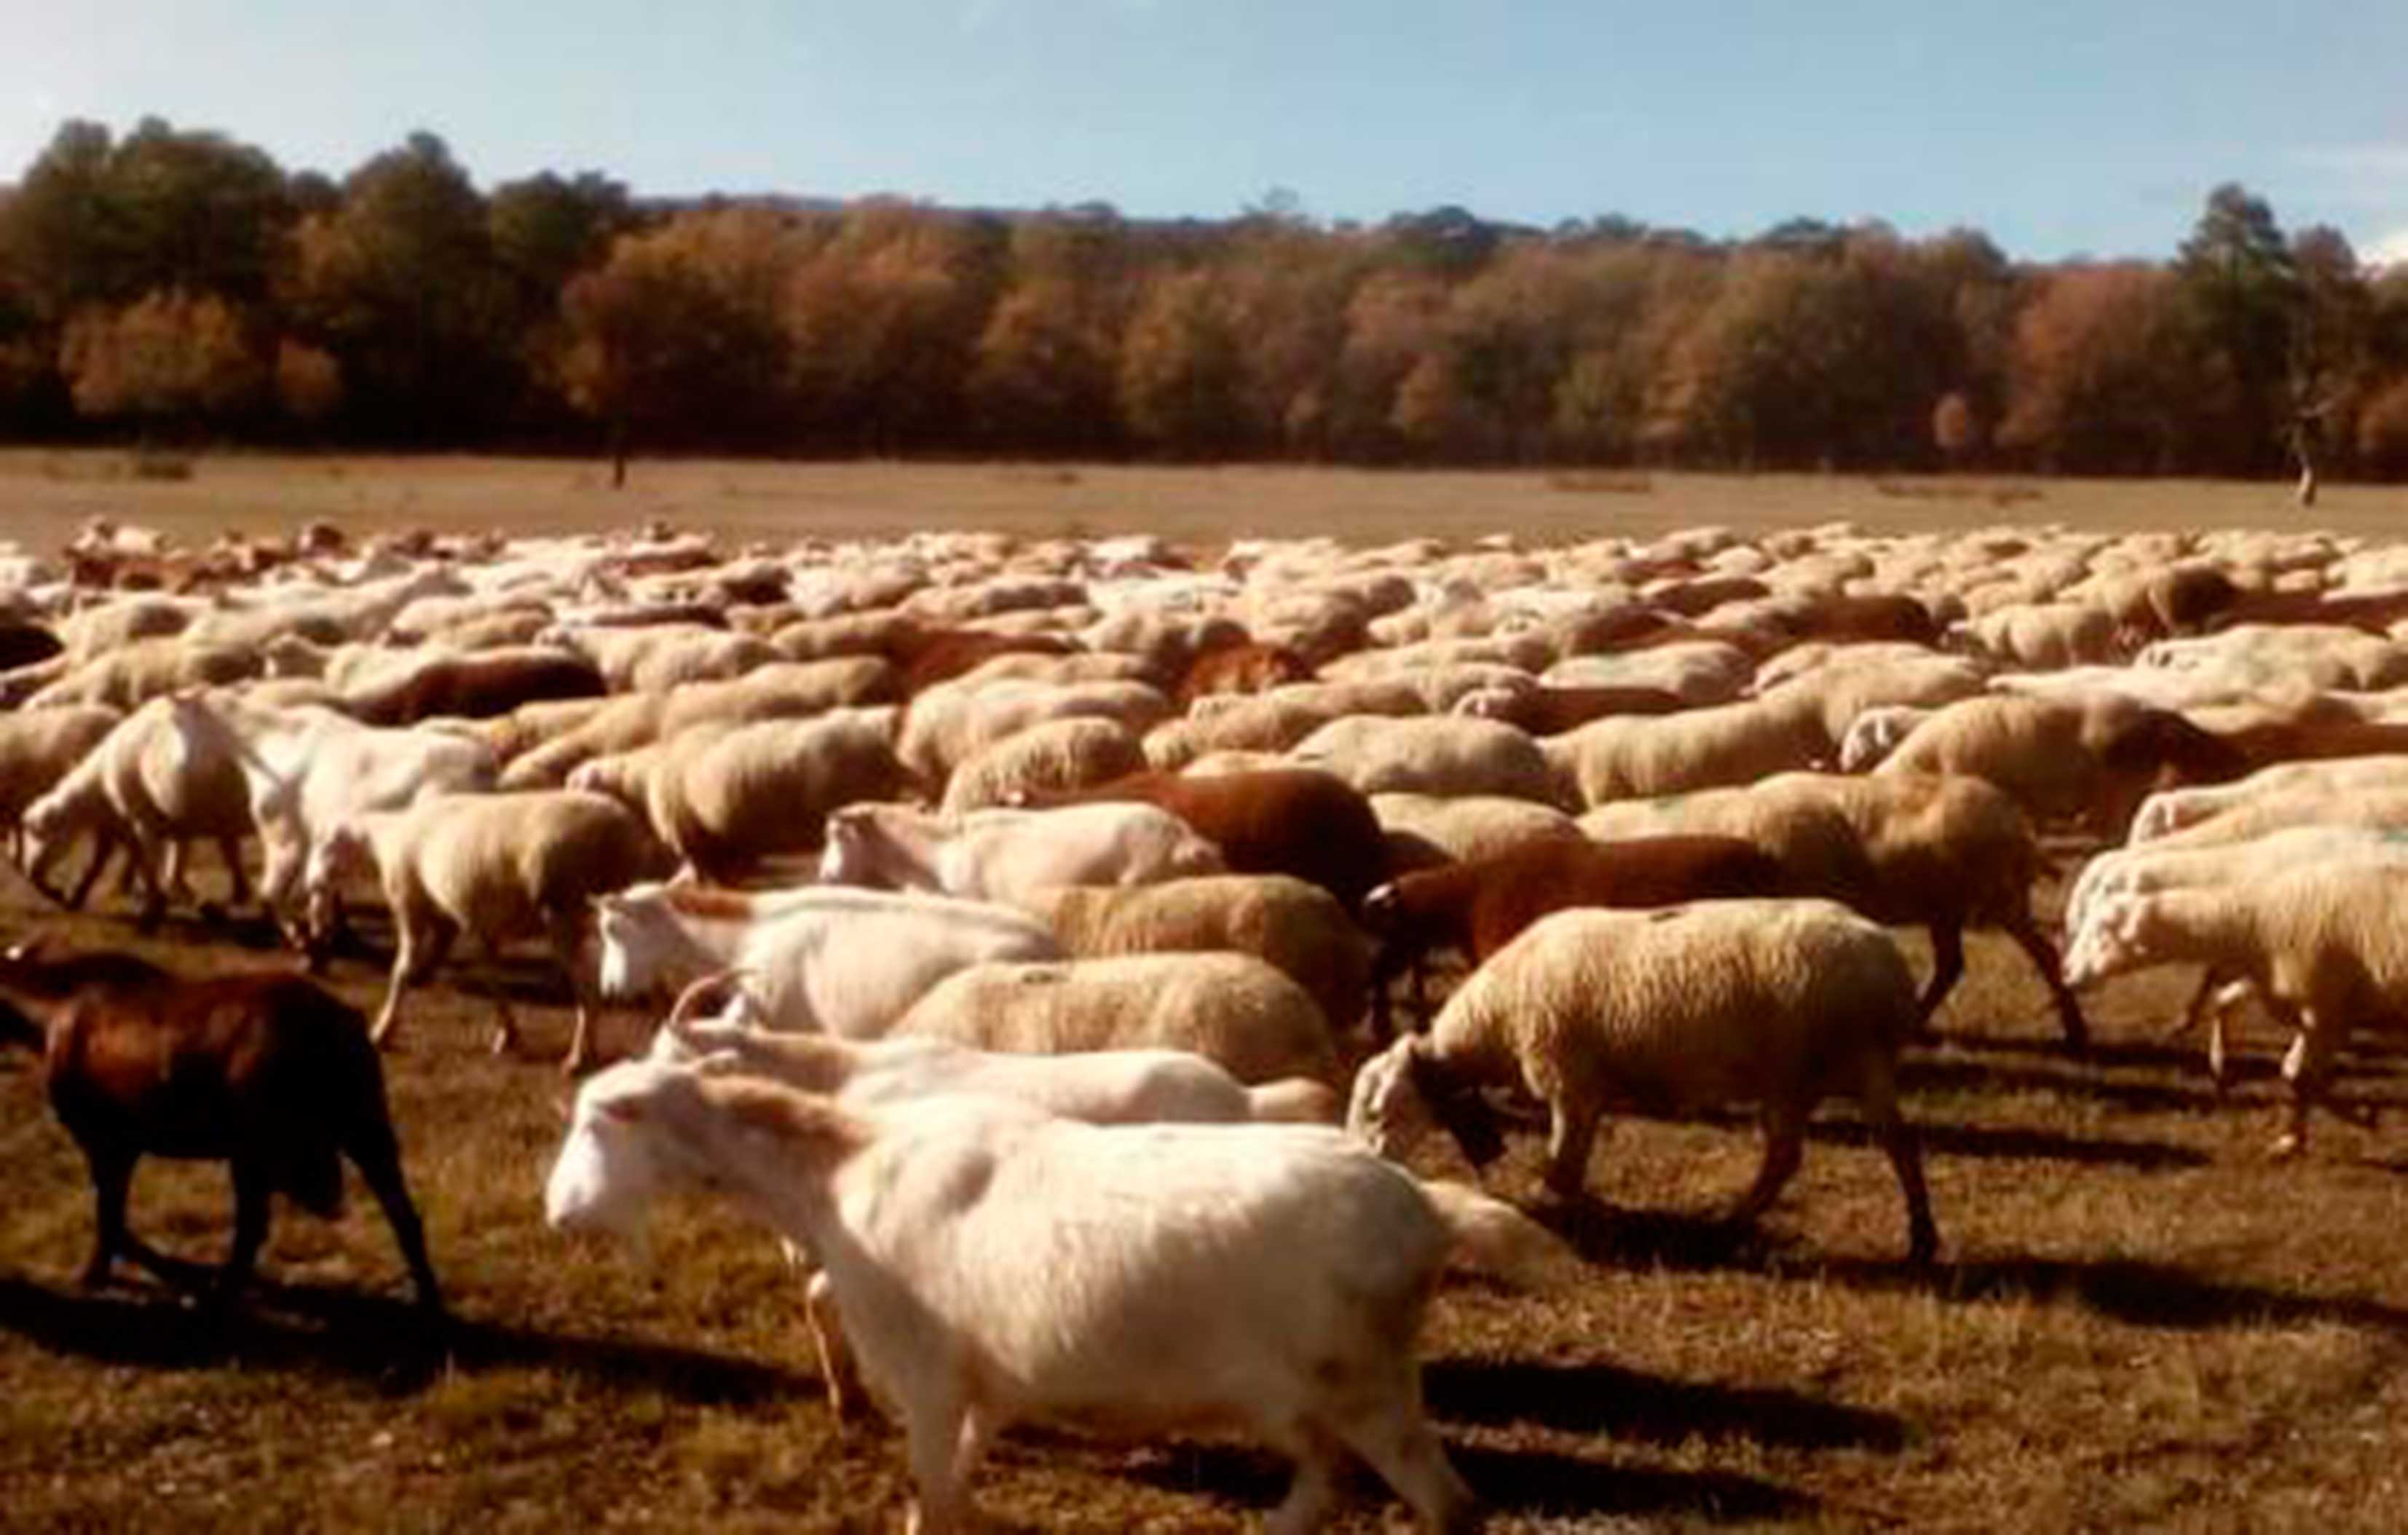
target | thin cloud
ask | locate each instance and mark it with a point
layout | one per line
(2387, 250)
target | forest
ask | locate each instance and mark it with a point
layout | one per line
(179, 286)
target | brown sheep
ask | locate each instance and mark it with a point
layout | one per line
(475, 685)
(1477, 908)
(1279, 820)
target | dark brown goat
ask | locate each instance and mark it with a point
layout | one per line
(1477, 906)
(476, 685)
(266, 1071)
(1294, 821)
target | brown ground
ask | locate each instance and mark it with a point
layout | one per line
(2137, 1321)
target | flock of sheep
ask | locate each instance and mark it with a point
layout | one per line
(1034, 910)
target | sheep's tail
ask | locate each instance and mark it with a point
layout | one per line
(1294, 1100)
(1496, 1239)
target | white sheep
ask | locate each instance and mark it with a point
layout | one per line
(736, 796)
(1431, 755)
(2320, 943)
(1777, 1003)
(1043, 759)
(1468, 827)
(144, 784)
(1232, 1008)
(2171, 809)
(1299, 928)
(1012, 855)
(997, 1266)
(38, 748)
(501, 868)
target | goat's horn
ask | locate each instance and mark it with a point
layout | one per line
(695, 992)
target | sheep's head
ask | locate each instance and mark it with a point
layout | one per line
(47, 825)
(2114, 937)
(846, 858)
(1400, 1097)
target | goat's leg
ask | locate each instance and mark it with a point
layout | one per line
(237, 883)
(933, 1430)
(252, 1194)
(2306, 1068)
(1392, 1437)
(424, 941)
(373, 1150)
(840, 1372)
(103, 846)
(112, 1172)
(2044, 958)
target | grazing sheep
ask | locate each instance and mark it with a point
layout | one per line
(1461, 826)
(501, 866)
(948, 723)
(1234, 1010)
(1043, 760)
(472, 685)
(1545, 710)
(1270, 1277)
(38, 748)
(266, 1071)
(1299, 928)
(142, 670)
(2320, 942)
(1778, 1003)
(2173, 810)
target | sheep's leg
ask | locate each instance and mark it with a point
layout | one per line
(416, 954)
(838, 1370)
(1948, 968)
(105, 846)
(2044, 958)
(1571, 1133)
(373, 1150)
(1313, 1492)
(252, 1194)
(506, 1023)
(1784, 1141)
(1877, 1100)
(1386, 964)
(568, 946)
(2306, 1068)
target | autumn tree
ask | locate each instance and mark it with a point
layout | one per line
(169, 359)
(681, 334)
(1181, 367)
(1044, 368)
(2109, 377)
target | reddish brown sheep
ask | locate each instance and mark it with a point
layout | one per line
(1250, 668)
(476, 685)
(1477, 906)
(1276, 820)
(265, 1070)
(930, 656)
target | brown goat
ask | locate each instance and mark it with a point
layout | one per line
(266, 1071)
(1477, 906)
(1294, 821)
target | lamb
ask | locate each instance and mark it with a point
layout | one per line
(1777, 1002)
(823, 957)
(502, 866)
(1009, 855)
(1267, 1277)
(1476, 908)
(2319, 942)
(1232, 1008)
(265, 1070)
(1043, 760)
(1296, 927)
(1444, 754)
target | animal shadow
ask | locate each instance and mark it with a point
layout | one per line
(1596, 1397)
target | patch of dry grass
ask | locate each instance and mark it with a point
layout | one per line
(2137, 1321)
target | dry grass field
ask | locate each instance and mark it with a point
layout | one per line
(2138, 1320)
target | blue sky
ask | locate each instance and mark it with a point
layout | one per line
(2061, 128)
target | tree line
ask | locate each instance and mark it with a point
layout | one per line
(182, 284)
